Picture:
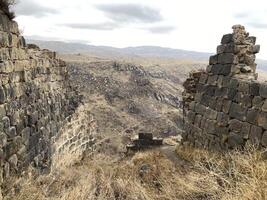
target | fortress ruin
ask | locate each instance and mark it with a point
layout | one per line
(225, 106)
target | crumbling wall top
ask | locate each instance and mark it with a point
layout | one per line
(235, 55)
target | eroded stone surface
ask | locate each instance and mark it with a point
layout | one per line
(231, 105)
(35, 99)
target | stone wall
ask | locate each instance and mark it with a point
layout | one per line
(77, 135)
(225, 107)
(35, 99)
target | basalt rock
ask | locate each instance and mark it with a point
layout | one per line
(227, 97)
(36, 97)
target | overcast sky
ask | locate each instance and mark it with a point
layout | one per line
(184, 24)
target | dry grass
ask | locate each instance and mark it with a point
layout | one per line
(150, 175)
(238, 175)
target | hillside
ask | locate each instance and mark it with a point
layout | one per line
(142, 52)
(138, 123)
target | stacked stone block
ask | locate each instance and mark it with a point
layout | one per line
(35, 98)
(229, 106)
(77, 135)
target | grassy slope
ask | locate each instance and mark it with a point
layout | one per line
(151, 176)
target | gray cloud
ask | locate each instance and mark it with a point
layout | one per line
(130, 13)
(258, 25)
(99, 26)
(160, 29)
(31, 8)
(242, 15)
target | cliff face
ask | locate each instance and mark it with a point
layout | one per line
(35, 99)
(225, 106)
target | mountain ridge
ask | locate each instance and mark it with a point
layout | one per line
(138, 51)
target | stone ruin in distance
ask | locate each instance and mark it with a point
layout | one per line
(225, 107)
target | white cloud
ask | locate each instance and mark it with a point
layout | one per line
(188, 24)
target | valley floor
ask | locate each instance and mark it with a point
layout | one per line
(122, 100)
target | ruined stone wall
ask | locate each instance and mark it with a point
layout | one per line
(77, 135)
(225, 106)
(35, 99)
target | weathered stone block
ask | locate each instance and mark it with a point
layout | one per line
(213, 60)
(243, 87)
(3, 139)
(234, 83)
(235, 125)
(200, 109)
(26, 135)
(210, 126)
(264, 106)
(219, 104)
(33, 118)
(203, 78)
(13, 161)
(198, 97)
(255, 134)
(220, 49)
(245, 130)
(210, 114)
(226, 106)
(11, 132)
(226, 39)
(256, 49)
(2, 111)
(226, 48)
(200, 87)
(262, 119)
(232, 94)
(187, 129)
(264, 139)
(235, 141)
(222, 119)
(197, 121)
(205, 99)
(203, 122)
(221, 130)
(221, 92)
(220, 69)
(263, 90)
(252, 116)
(238, 112)
(212, 80)
(227, 58)
(220, 81)
(210, 90)
(191, 116)
(212, 103)
(226, 81)
(6, 123)
(192, 105)
(257, 102)
(254, 89)
(2, 95)
(244, 100)
(252, 39)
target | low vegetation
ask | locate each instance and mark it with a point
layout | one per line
(151, 176)
(5, 6)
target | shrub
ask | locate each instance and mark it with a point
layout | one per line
(5, 6)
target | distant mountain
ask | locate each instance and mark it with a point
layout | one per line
(141, 51)
(262, 65)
